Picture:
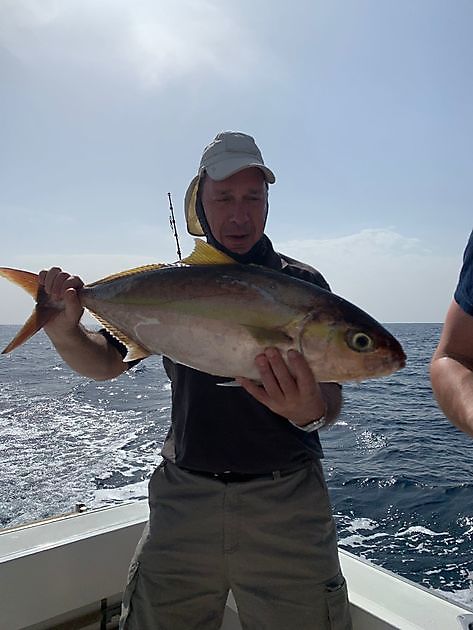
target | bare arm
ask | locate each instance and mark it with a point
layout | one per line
(295, 393)
(86, 352)
(451, 369)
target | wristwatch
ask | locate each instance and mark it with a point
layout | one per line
(314, 425)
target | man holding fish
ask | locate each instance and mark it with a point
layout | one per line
(451, 369)
(254, 344)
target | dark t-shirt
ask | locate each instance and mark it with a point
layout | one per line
(217, 429)
(464, 291)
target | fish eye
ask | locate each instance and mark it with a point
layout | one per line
(359, 341)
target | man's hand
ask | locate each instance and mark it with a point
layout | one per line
(289, 389)
(86, 352)
(62, 286)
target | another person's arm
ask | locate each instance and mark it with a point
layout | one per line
(451, 368)
(86, 352)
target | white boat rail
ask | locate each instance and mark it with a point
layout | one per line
(74, 567)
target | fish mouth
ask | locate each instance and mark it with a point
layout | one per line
(389, 361)
(401, 357)
(389, 367)
(396, 363)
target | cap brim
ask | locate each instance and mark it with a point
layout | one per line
(227, 168)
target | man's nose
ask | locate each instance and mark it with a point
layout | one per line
(239, 213)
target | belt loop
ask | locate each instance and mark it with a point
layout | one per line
(276, 474)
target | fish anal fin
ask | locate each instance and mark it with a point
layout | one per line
(135, 351)
(205, 254)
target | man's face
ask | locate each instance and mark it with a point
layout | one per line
(236, 209)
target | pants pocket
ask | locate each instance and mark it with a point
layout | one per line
(337, 603)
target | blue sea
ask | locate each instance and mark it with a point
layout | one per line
(400, 476)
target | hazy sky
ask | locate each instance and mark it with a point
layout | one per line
(362, 108)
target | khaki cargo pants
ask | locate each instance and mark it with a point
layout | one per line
(271, 541)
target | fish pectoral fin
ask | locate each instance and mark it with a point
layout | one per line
(205, 254)
(269, 336)
(134, 350)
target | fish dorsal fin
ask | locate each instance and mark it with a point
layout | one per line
(129, 272)
(135, 351)
(205, 254)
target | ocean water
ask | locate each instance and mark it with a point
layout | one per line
(400, 476)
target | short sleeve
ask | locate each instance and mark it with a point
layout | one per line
(464, 291)
(119, 346)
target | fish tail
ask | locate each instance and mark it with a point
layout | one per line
(24, 279)
(42, 312)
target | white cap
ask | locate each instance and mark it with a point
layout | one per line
(229, 153)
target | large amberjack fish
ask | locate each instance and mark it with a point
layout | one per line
(215, 315)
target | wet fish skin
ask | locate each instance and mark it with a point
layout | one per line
(216, 316)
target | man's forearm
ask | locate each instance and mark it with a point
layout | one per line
(452, 383)
(87, 353)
